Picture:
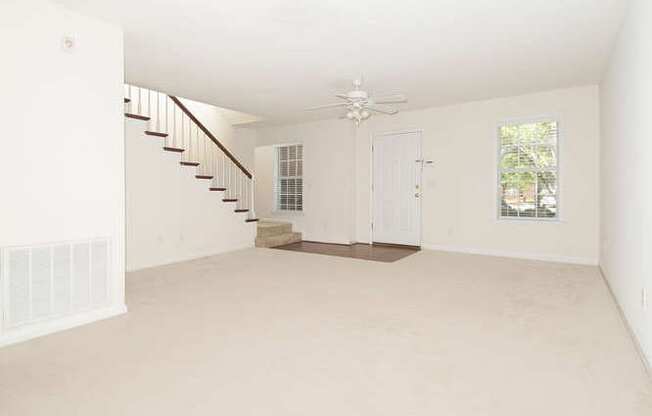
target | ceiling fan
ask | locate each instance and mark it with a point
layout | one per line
(360, 105)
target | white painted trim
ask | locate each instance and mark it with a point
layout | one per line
(560, 140)
(371, 182)
(512, 254)
(33, 331)
(635, 339)
(397, 132)
(193, 257)
(275, 169)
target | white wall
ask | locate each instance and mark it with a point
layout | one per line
(171, 215)
(459, 191)
(329, 158)
(459, 194)
(626, 171)
(62, 141)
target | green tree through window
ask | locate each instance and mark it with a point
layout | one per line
(528, 170)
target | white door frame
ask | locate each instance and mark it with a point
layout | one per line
(371, 182)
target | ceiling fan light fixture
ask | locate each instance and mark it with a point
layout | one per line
(360, 106)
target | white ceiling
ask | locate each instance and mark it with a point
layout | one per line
(273, 58)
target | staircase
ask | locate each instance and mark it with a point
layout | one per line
(274, 233)
(168, 120)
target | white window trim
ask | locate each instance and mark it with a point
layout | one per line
(275, 209)
(560, 139)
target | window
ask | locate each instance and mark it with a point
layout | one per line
(528, 171)
(288, 189)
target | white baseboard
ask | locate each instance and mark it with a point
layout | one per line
(647, 360)
(512, 254)
(14, 336)
(195, 256)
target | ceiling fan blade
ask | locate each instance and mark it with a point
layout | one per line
(390, 111)
(322, 107)
(391, 99)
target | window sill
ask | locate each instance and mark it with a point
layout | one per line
(530, 221)
(287, 213)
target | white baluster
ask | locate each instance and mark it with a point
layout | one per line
(139, 96)
(193, 143)
(230, 186)
(224, 172)
(237, 186)
(182, 130)
(252, 192)
(205, 152)
(173, 139)
(158, 112)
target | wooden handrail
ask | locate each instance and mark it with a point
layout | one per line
(210, 135)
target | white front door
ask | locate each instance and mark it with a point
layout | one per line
(397, 188)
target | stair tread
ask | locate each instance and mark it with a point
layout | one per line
(184, 163)
(230, 200)
(136, 116)
(204, 176)
(174, 149)
(217, 189)
(251, 220)
(155, 133)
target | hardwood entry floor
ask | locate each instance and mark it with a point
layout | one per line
(383, 253)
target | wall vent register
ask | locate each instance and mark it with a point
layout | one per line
(45, 282)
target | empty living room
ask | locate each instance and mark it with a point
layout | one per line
(326, 208)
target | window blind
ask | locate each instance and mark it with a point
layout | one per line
(528, 170)
(288, 183)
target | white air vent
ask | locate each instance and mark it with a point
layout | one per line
(50, 281)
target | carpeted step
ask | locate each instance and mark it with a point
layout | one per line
(278, 240)
(272, 228)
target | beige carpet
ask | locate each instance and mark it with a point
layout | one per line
(271, 332)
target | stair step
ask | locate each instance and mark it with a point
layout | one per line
(229, 200)
(174, 149)
(184, 163)
(241, 210)
(156, 133)
(136, 116)
(127, 100)
(270, 228)
(251, 220)
(204, 176)
(278, 240)
(217, 189)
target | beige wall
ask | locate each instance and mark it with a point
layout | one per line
(459, 194)
(329, 158)
(626, 171)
